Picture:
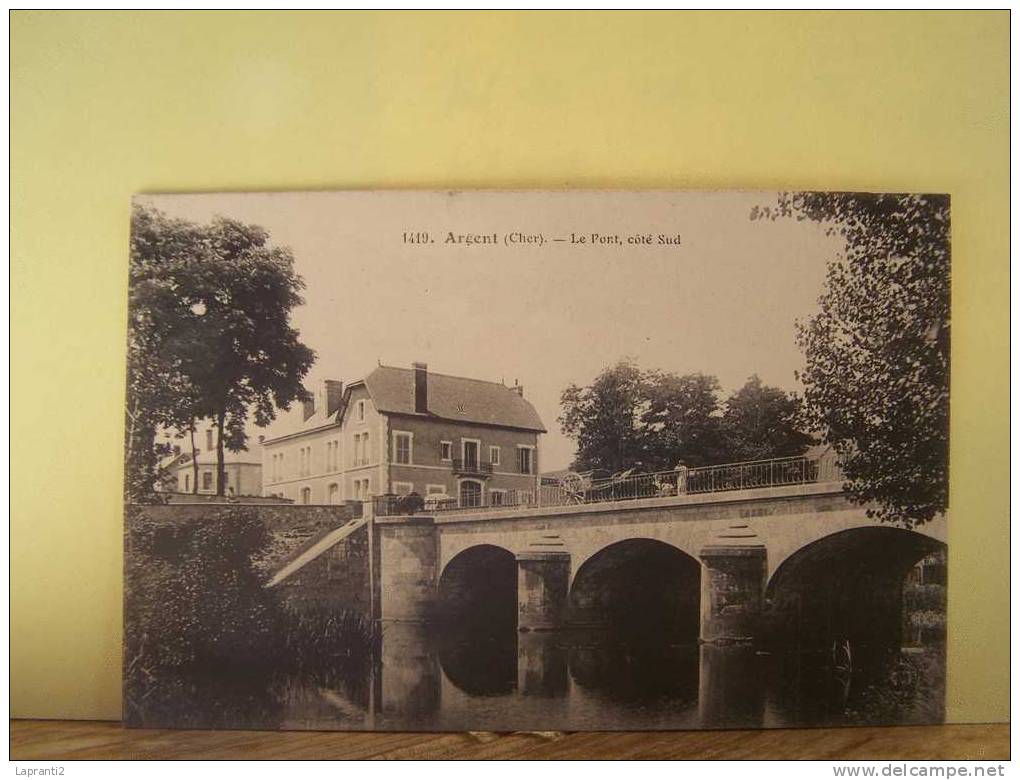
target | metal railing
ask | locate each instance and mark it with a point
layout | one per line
(574, 489)
(389, 504)
(774, 472)
(620, 487)
(501, 499)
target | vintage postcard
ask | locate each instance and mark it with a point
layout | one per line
(580, 460)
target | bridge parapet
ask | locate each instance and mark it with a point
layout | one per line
(664, 502)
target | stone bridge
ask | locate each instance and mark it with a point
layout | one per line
(724, 567)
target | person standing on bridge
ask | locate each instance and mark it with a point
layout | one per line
(681, 478)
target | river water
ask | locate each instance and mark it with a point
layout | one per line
(590, 681)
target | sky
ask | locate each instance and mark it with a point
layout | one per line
(723, 301)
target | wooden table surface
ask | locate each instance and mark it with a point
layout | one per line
(68, 740)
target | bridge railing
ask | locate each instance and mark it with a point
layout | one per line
(618, 488)
(774, 472)
(390, 505)
(575, 489)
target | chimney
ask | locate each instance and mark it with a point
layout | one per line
(334, 394)
(308, 405)
(421, 388)
(519, 389)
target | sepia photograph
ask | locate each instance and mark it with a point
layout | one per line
(536, 460)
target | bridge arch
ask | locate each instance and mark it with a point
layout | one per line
(478, 604)
(846, 585)
(478, 587)
(638, 587)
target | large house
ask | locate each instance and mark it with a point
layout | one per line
(182, 473)
(401, 431)
(243, 473)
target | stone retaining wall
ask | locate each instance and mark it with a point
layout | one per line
(292, 528)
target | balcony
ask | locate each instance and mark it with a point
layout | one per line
(472, 466)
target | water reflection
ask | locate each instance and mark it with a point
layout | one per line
(480, 663)
(542, 665)
(731, 693)
(424, 679)
(407, 673)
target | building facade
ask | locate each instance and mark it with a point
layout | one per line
(243, 475)
(185, 472)
(402, 431)
(243, 470)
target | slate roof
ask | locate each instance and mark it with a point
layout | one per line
(453, 398)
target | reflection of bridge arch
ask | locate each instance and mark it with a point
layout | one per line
(478, 603)
(638, 586)
(478, 587)
(845, 585)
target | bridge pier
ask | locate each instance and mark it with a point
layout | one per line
(732, 591)
(408, 569)
(543, 578)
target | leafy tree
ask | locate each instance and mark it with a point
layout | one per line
(160, 337)
(255, 361)
(682, 422)
(203, 636)
(210, 332)
(761, 422)
(605, 418)
(877, 353)
(655, 419)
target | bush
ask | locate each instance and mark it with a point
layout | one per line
(924, 598)
(204, 639)
(910, 689)
(325, 645)
(192, 595)
(193, 603)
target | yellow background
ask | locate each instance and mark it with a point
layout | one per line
(108, 104)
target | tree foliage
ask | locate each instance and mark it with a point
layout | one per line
(192, 592)
(653, 420)
(205, 642)
(209, 334)
(877, 353)
(681, 421)
(605, 418)
(761, 422)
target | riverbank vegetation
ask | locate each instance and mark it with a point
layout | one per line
(206, 645)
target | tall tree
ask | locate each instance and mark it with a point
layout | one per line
(159, 344)
(629, 418)
(761, 422)
(682, 422)
(877, 353)
(254, 361)
(604, 418)
(211, 327)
